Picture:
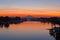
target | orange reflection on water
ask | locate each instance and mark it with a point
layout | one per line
(30, 25)
(27, 29)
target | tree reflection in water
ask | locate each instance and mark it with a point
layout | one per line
(55, 32)
(6, 24)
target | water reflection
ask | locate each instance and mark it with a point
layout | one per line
(34, 29)
(55, 32)
(7, 24)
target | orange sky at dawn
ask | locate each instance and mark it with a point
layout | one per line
(23, 12)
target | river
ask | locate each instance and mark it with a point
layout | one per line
(29, 30)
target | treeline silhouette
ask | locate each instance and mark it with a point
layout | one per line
(5, 21)
(53, 20)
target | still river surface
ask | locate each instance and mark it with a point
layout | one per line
(26, 31)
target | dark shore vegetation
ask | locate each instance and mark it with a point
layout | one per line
(16, 20)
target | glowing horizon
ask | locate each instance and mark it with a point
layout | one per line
(30, 7)
(29, 12)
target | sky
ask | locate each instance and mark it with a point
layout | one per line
(30, 7)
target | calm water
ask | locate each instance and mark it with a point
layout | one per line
(26, 31)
